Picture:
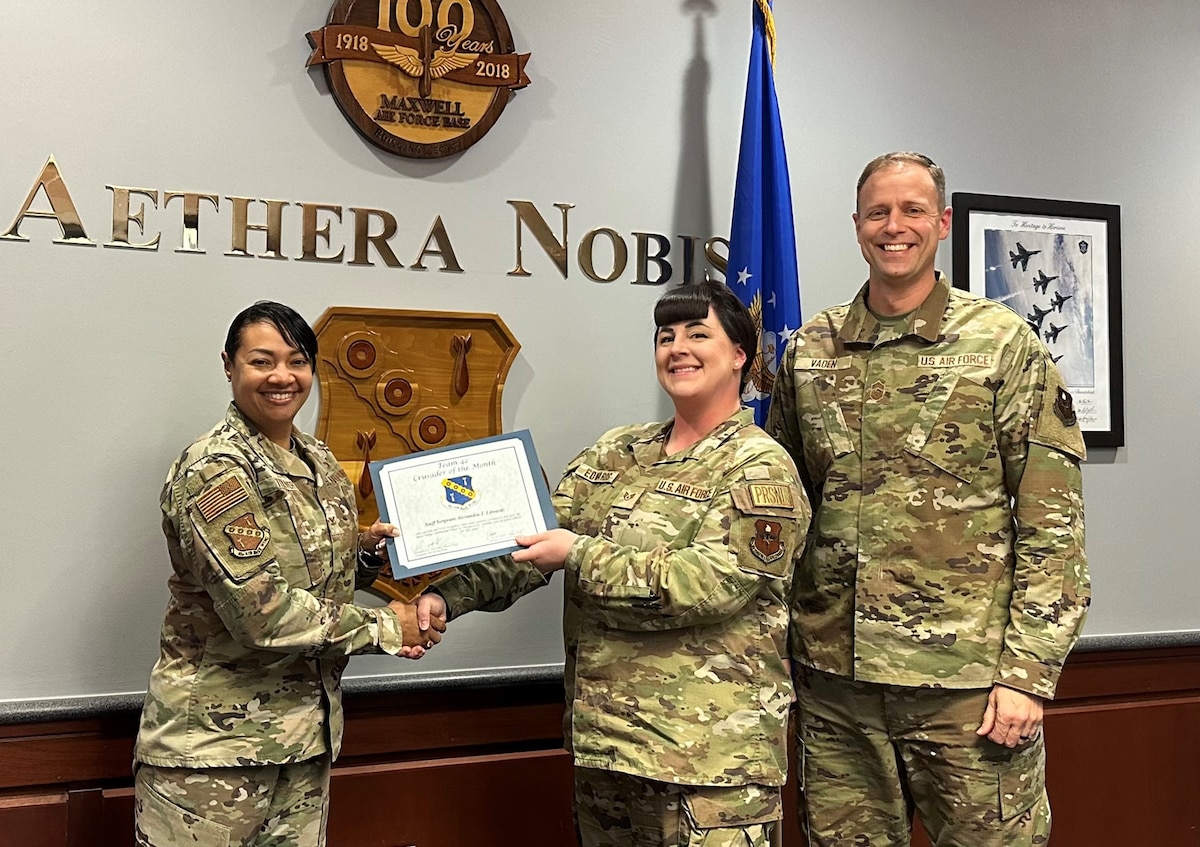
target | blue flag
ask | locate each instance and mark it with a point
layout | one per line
(762, 240)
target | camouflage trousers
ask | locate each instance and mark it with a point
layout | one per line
(260, 806)
(873, 754)
(620, 810)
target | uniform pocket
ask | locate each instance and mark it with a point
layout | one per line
(1022, 780)
(160, 823)
(954, 429)
(709, 807)
(1044, 594)
(306, 563)
(825, 435)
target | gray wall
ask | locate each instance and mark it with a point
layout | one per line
(110, 357)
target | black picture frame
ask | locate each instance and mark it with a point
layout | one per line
(1047, 259)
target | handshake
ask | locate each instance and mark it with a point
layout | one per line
(422, 623)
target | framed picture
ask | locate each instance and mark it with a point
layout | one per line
(1058, 265)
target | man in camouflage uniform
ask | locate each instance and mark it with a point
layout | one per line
(944, 580)
(243, 714)
(677, 567)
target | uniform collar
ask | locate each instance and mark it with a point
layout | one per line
(862, 327)
(282, 460)
(648, 449)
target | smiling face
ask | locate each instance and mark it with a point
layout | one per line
(698, 363)
(270, 379)
(899, 223)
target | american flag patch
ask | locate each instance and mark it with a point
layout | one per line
(217, 501)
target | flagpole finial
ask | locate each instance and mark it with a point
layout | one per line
(764, 6)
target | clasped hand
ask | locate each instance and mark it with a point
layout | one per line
(546, 551)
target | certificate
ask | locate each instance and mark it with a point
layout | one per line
(459, 504)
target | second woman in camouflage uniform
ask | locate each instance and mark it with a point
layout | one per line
(677, 542)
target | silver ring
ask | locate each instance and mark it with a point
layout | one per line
(429, 644)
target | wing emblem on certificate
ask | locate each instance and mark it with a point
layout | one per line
(396, 382)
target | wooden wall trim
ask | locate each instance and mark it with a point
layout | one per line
(1123, 738)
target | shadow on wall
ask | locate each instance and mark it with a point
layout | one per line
(693, 188)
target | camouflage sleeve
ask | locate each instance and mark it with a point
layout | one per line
(751, 532)
(489, 586)
(782, 423)
(495, 584)
(1042, 448)
(367, 569)
(235, 556)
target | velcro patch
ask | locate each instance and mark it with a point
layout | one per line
(822, 364)
(767, 543)
(771, 494)
(959, 360)
(758, 472)
(221, 498)
(683, 489)
(1057, 423)
(593, 475)
(247, 538)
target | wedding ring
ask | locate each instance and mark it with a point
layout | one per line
(429, 644)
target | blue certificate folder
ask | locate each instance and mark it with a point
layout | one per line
(462, 503)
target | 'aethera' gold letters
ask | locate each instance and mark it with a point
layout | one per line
(259, 229)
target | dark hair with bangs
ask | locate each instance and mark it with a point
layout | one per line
(294, 329)
(690, 302)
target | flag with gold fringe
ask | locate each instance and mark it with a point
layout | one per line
(762, 268)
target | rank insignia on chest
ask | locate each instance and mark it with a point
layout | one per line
(767, 544)
(246, 536)
(878, 391)
(1064, 407)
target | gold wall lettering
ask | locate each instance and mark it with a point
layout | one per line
(275, 228)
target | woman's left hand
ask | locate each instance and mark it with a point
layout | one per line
(546, 551)
(374, 540)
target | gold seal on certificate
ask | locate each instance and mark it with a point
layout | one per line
(459, 504)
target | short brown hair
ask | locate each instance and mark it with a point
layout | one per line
(901, 158)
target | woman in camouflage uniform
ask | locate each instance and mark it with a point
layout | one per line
(243, 715)
(677, 540)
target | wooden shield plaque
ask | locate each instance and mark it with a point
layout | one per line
(396, 381)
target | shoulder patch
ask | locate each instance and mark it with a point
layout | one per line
(1057, 423)
(221, 498)
(757, 472)
(247, 538)
(1064, 407)
(767, 543)
(593, 475)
